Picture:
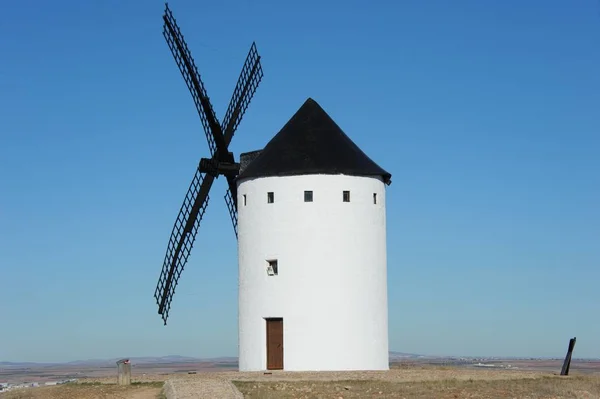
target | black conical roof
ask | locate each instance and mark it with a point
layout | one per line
(312, 143)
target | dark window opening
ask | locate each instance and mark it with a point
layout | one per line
(346, 196)
(270, 197)
(308, 196)
(374, 198)
(244, 199)
(272, 268)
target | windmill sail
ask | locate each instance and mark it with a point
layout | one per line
(245, 88)
(182, 240)
(187, 67)
(221, 161)
(231, 202)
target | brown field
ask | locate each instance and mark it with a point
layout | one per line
(404, 380)
(141, 372)
(542, 387)
(89, 391)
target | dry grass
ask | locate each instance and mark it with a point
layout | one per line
(581, 387)
(419, 382)
(89, 391)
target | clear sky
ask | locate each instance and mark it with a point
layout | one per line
(487, 114)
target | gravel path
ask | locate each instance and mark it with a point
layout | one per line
(202, 388)
(218, 385)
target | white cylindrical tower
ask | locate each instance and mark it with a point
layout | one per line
(312, 253)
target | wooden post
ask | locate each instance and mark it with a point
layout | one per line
(567, 363)
(124, 372)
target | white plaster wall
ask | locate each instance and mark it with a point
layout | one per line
(331, 289)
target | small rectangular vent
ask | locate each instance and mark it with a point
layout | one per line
(308, 196)
(272, 267)
(346, 196)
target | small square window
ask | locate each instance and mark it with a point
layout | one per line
(308, 196)
(244, 199)
(270, 197)
(346, 196)
(374, 198)
(272, 267)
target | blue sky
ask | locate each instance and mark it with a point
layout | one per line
(485, 112)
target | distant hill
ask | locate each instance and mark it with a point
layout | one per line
(161, 360)
(22, 364)
(402, 355)
(111, 362)
(171, 359)
(157, 360)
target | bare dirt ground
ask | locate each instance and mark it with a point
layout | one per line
(89, 391)
(532, 388)
(402, 381)
(420, 382)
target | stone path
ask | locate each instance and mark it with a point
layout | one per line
(205, 388)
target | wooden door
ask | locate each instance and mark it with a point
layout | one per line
(275, 344)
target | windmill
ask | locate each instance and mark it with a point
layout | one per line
(312, 257)
(221, 161)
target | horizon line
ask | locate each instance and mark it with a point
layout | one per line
(206, 359)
